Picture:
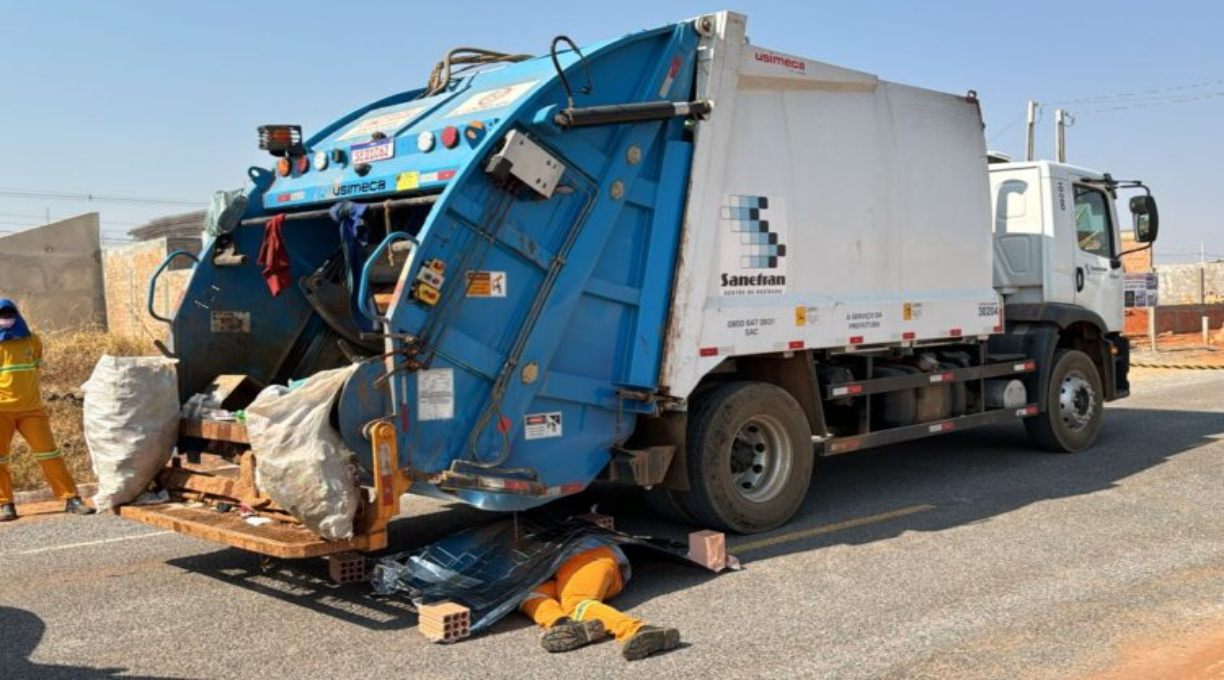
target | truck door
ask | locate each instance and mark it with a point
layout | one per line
(1098, 284)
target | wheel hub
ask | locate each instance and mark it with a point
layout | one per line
(1076, 401)
(761, 459)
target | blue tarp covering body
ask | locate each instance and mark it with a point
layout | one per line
(490, 569)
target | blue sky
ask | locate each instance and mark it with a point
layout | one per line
(161, 99)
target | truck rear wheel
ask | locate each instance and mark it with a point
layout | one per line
(749, 456)
(1074, 405)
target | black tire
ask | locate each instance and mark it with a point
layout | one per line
(734, 432)
(1074, 405)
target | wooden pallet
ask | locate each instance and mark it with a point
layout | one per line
(285, 541)
(214, 430)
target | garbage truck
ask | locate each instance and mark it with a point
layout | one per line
(675, 259)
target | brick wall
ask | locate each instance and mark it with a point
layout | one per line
(1137, 262)
(126, 273)
(1174, 319)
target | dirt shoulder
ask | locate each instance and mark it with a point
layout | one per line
(1194, 655)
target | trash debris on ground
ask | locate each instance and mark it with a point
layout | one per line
(490, 569)
(302, 464)
(131, 423)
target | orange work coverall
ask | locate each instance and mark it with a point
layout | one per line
(21, 410)
(578, 592)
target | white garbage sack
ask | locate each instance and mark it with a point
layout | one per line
(131, 424)
(300, 461)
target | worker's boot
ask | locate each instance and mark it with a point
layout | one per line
(8, 512)
(650, 640)
(76, 506)
(567, 634)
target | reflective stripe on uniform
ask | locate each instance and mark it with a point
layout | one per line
(21, 367)
(48, 456)
(581, 609)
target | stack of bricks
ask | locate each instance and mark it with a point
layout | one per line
(444, 622)
(709, 549)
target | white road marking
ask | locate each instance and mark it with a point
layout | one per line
(89, 543)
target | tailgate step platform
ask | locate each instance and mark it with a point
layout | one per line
(281, 540)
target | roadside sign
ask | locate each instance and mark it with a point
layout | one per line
(1140, 289)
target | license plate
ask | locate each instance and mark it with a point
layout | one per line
(373, 151)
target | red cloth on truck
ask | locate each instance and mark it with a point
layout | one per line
(273, 256)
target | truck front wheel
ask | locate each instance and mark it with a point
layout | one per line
(1074, 405)
(749, 456)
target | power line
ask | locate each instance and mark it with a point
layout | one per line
(1006, 128)
(1165, 102)
(1138, 94)
(93, 198)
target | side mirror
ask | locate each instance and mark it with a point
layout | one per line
(1146, 218)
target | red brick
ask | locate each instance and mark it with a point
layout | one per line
(709, 549)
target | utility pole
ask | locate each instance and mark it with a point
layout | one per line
(1203, 292)
(1060, 135)
(1202, 273)
(1029, 138)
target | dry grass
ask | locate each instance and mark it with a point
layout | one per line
(70, 358)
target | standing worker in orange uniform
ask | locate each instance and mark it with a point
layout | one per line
(21, 410)
(572, 611)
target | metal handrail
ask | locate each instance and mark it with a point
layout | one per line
(363, 295)
(153, 280)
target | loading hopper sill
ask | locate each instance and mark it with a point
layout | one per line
(281, 540)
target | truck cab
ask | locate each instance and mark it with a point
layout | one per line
(1057, 238)
(1058, 268)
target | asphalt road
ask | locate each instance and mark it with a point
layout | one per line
(965, 556)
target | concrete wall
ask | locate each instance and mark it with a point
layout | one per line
(54, 272)
(128, 269)
(1186, 284)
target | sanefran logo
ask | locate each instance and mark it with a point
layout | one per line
(796, 65)
(753, 246)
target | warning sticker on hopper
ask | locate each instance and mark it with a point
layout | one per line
(492, 99)
(384, 123)
(541, 425)
(486, 284)
(436, 394)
